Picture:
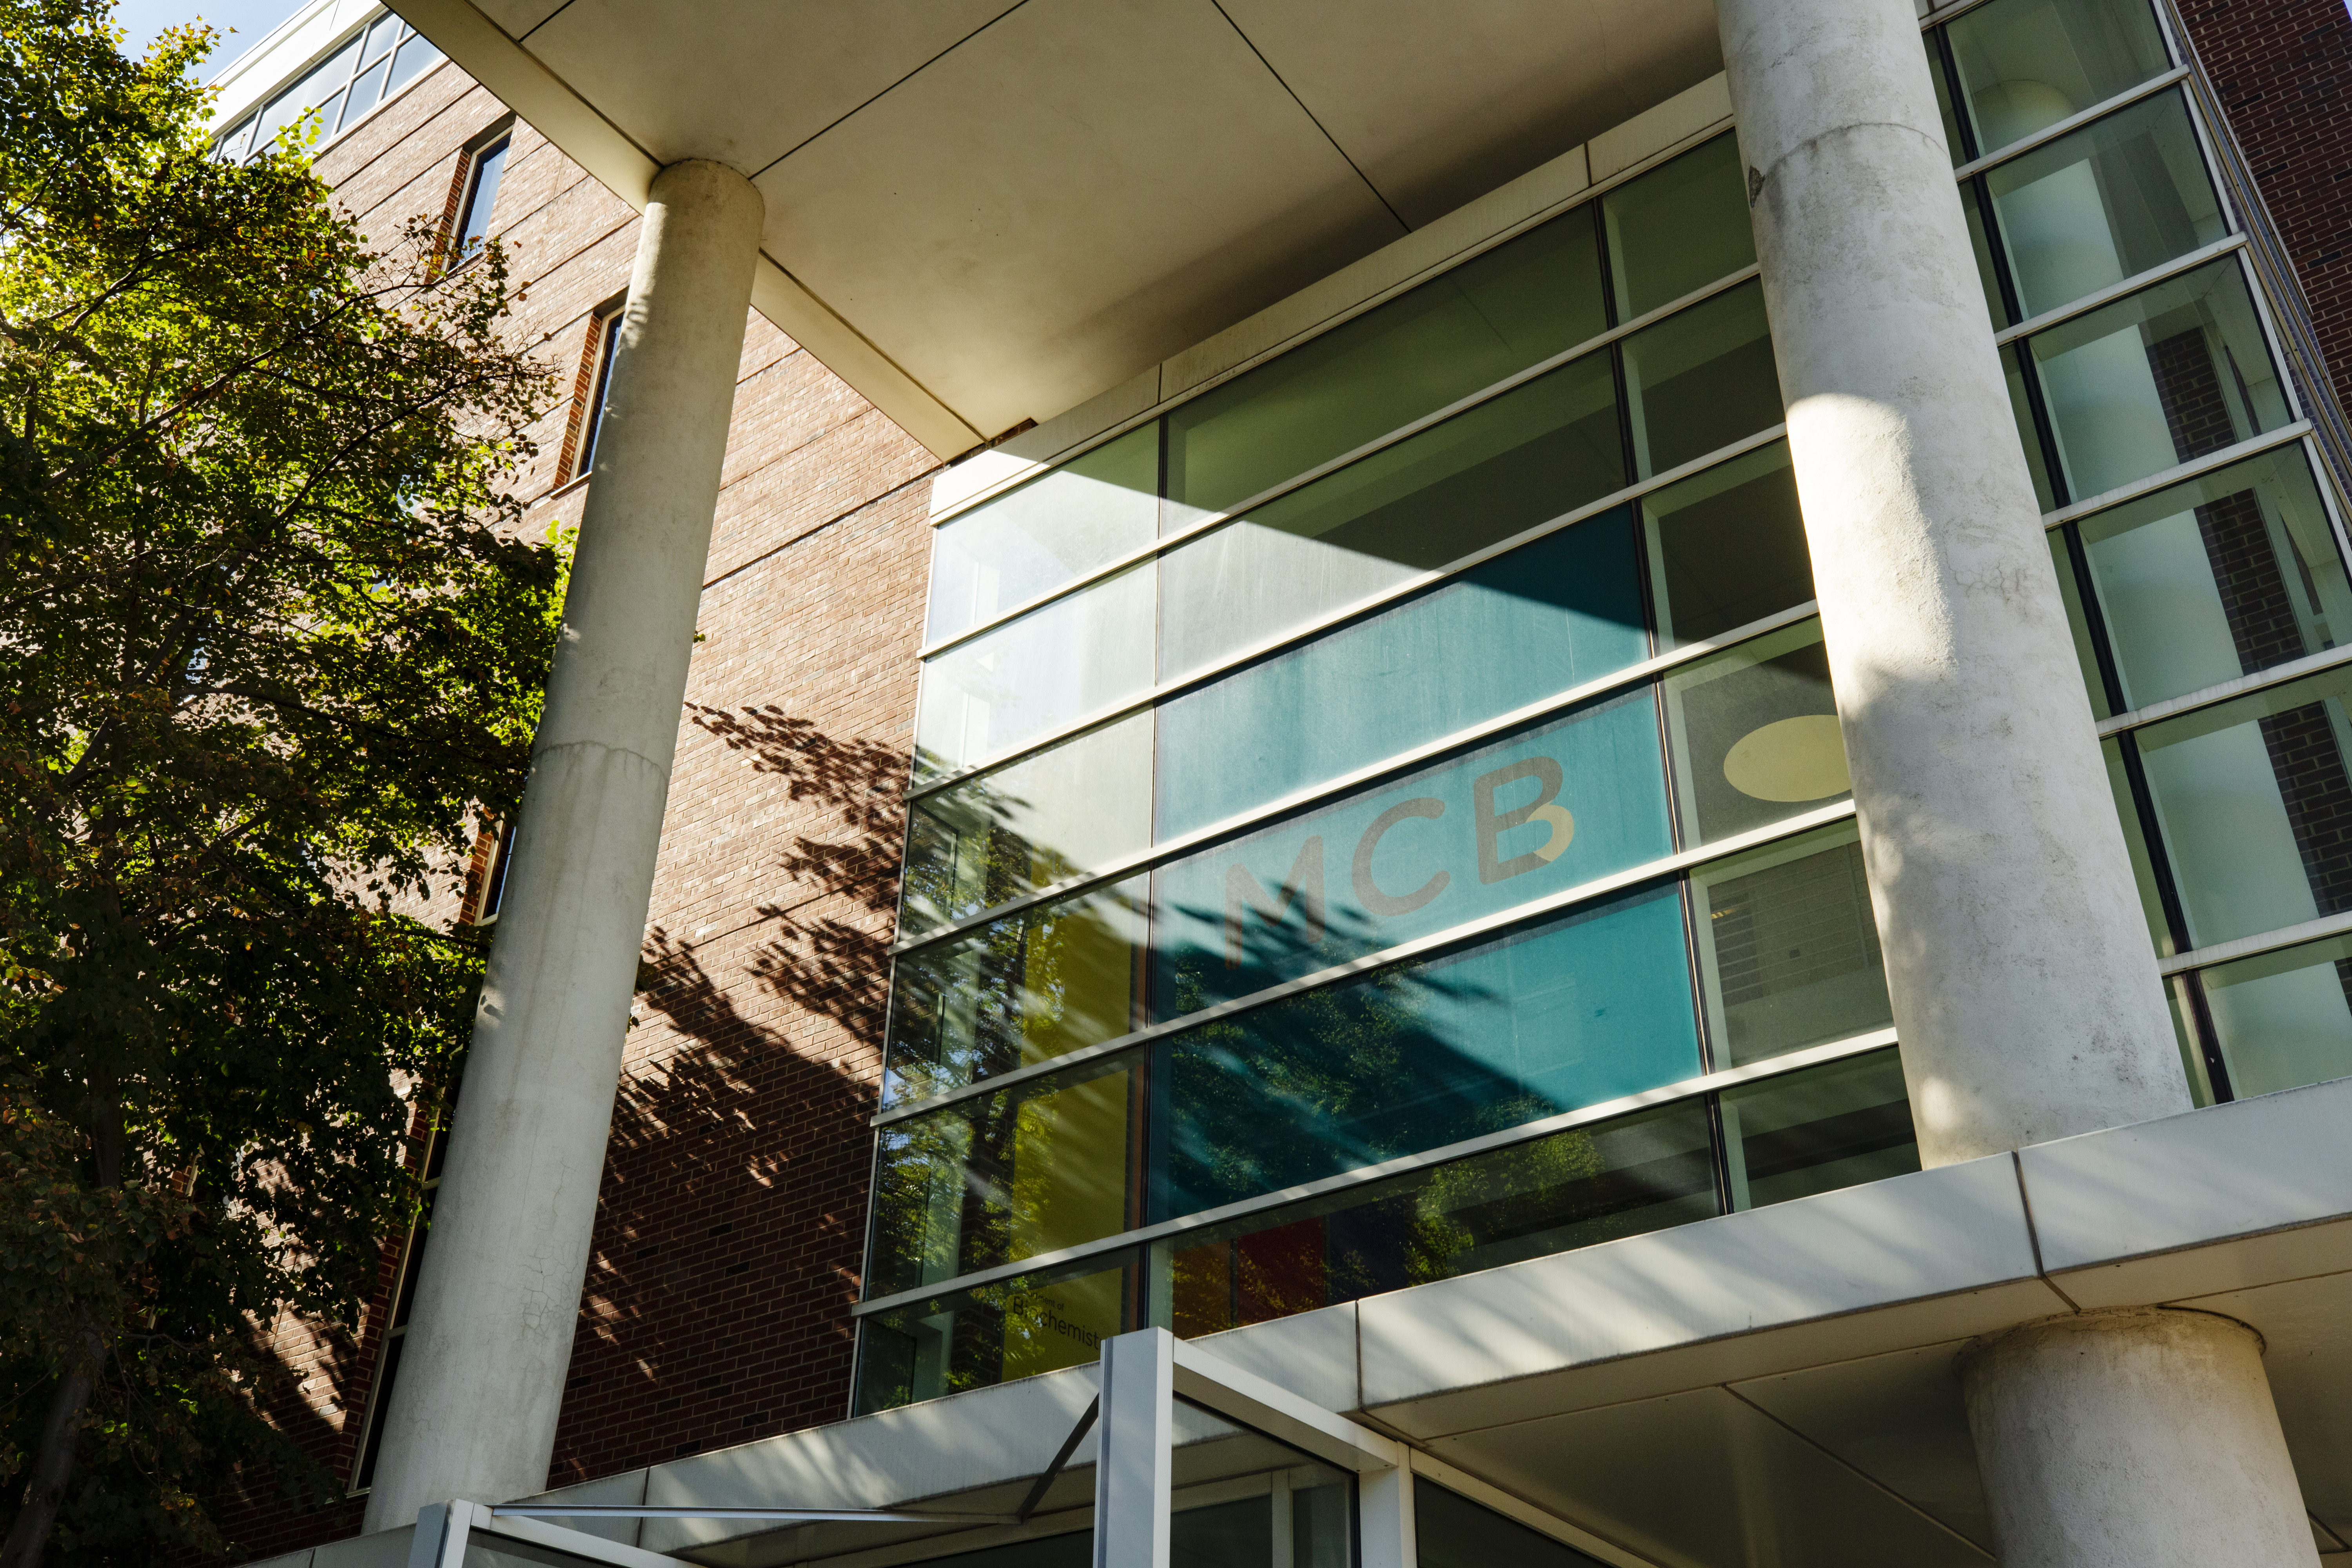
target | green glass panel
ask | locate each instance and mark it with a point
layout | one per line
(1572, 799)
(1055, 814)
(2070, 591)
(2284, 1018)
(2151, 900)
(1754, 735)
(1519, 303)
(1553, 613)
(2233, 572)
(1534, 454)
(2118, 197)
(1055, 528)
(1678, 227)
(1576, 1010)
(1972, 207)
(990, 1334)
(1727, 547)
(1550, 1195)
(2026, 65)
(2167, 374)
(1814, 1131)
(1024, 989)
(2013, 361)
(1033, 1168)
(1699, 379)
(2192, 1059)
(2255, 806)
(1451, 1532)
(1030, 677)
(1789, 954)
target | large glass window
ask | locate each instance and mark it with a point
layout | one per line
(2025, 65)
(1678, 228)
(1754, 735)
(1700, 379)
(1813, 1132)
(1789, 954)
(990, 1334)
(2284, 1018)
(1727, 547)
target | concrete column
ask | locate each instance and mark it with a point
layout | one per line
(2134, 1439)
(2026, 991)
(481, 1378)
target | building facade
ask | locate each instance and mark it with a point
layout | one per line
(1640, 857)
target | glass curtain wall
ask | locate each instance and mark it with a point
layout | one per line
(1348, 799)
(2199, 552)
(378, 59)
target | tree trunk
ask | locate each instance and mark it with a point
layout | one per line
(28, 1537)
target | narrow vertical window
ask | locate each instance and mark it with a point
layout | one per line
(604, 345)
(404, 1300)
(482, 175)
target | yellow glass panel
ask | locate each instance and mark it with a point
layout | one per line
(1069, 1166)
(1049, 1327)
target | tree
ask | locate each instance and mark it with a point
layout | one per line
(274, 655)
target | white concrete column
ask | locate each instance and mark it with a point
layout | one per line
(2026, 991)
(2134, 1439)
(481, 1377)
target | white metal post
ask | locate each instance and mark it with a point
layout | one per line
(1384, 1524)
(1132, 1439)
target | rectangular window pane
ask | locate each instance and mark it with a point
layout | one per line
(1065, 811)
(2113, 199)
(1727, 547)
(1699, 379)
(1789, 954)
(1553, 613)
(2255, 806)
(1814, 1131)
(1451, 1532)
(324, 79)
(1051, 531)
(1020, 990)
(2028, 64)
(1573, 799)
(1550, 1195)
(2012, 363)
(1755, 735)
(1058, 663)
(1678, 227)
(1534, 454)
(364, 94)
(1972, 207)
(2151, 900)
(414, 57)
(482, 200)
(1579, 1009)
(2167, 374)
(1521, 302)
(381, 36)
(2228, 574)
(992, 1334)
(2284, 1018)
(1029, 1170)
(2086, 656)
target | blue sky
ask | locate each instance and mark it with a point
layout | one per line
(141, 20)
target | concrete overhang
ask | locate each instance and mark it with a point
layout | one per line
(984, 212)
(1692, 1395)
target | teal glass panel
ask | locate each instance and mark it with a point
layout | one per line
(1030, 677)
(1814, 1131)
(1754, 735)
(1553, 613)
(2167, 374)
(1521, 302)
(1678, 227)
(1036, 1167)
(2284, 1018)
(1050, 978)
(2026, 65)
(1727, 547)
(1451, 1532)
(1534, 454)
(1789, 954)
(1699, 379)
(2118, 197)
(2231, 572)
(1572, 799)
(1052, 530)
(1576, 1010)
(1591, 1184)
(977, 1338)
(2255, 806)
(1060, 813)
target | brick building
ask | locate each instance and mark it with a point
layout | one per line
(779, 1311)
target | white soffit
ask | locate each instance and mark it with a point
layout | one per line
(987, 211)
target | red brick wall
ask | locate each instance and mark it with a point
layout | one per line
(2282, 70)
(730, 1230)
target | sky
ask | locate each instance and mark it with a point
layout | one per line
(141, 20)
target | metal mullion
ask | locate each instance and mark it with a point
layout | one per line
(2231, 952)
(1400, 952)
(2095, 617)
(1240, 509)
(2231, 690)
(1365, 1176)
(2159, 858)
(2188, 261)
(2251, 446)
(1309, 630)
(2061, 130)
(1184, 844)
(2208, 1040)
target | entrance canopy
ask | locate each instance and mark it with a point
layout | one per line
(981, 212)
